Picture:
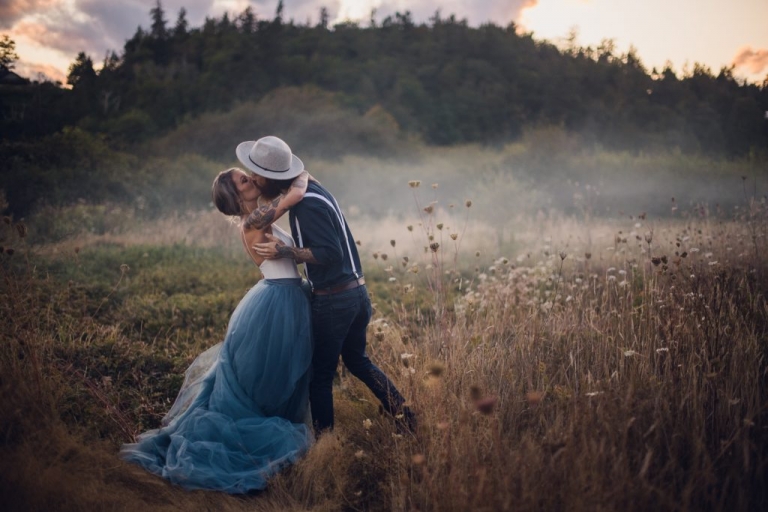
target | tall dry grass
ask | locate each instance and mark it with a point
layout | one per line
(586, 373)
(595, 365)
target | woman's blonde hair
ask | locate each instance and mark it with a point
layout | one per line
(225, 195)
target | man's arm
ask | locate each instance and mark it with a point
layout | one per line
(322, 244)
(270, 212)
(280, 250)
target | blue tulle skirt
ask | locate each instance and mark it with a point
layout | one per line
(243, 411)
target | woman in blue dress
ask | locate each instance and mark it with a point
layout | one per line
(242, 413)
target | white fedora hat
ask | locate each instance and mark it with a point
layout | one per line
(269, 157)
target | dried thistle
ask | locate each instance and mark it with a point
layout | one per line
(534, 397)
(392, 243)
(414, 183)
(454, 236)
(486, 405)
(410, 228)
(436, 369)
(434, 246)
(468, 204)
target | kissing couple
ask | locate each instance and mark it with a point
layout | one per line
(243, 412)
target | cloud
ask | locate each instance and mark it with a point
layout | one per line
(297, 10)
(34, 71)
(13, 10)
(95, 26)
(68, 38)
(475, 11)
(755, 61)
(118, 21)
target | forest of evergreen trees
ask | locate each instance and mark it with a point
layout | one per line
(442, 82)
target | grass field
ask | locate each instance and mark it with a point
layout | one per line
(572, 362)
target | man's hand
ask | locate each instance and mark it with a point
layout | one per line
(271, 250)
(276, 248)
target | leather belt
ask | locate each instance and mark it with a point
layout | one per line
(341, 288)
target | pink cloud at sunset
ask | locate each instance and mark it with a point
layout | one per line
(12, 10)
(754, 60)
(66, 37)
(34, 72)
(476, 12)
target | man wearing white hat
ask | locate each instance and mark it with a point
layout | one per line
(341, 308)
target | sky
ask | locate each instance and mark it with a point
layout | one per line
(50, 33)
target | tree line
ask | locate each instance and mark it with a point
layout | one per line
(442, 82)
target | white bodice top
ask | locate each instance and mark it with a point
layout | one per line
(280, 268)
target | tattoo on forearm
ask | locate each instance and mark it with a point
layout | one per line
(263, 216)
(300, 254)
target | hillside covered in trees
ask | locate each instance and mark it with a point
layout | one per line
(440, 83)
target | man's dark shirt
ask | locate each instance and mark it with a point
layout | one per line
(318, 224)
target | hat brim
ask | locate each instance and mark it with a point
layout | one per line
(243, 153)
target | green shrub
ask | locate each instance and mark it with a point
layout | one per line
(310, 120)
(62, 169)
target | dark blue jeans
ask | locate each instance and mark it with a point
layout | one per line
(339, 323)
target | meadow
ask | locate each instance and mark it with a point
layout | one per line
(564, 346)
